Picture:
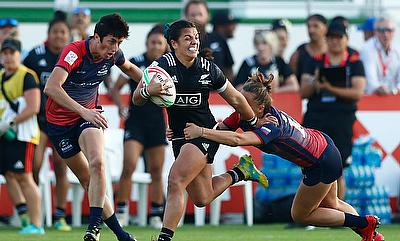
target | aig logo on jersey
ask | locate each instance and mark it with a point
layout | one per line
(188, 99)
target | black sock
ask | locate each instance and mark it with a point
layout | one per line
(353, 221)
(157, 210)
(59, 213)
(236, 174)
(95, 217)
(114, 225)
(21, 208)
(165, 234)
(121, 207)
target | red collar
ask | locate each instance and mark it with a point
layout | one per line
(342, 62)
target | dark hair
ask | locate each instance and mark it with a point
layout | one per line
(260, 87)
(173, 31)
(318, 17)
(59, 17)
(156, 29)
(112, 24)
(190, 2)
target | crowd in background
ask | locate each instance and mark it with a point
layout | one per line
(325, 70)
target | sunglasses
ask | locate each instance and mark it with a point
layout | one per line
(85, 11)
(383, 30)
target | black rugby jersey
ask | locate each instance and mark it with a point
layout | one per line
(149, 110)
(41, 60)
(276, 66)
(221, 52)
(193, 86)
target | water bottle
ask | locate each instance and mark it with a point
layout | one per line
(373, 156)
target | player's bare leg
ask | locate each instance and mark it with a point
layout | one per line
(39, 155)
(155, 161)
(132, 152)
(80, 167)
(62, 186)
(190, 166)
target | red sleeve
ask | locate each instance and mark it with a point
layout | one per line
(232, 121)
(71, 57)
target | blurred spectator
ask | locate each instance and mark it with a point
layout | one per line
(224, 28)
(197, 11)
(8, 28)
(333, 85)
(42, 60)
(304, 55)
(19, 133)
(144, 135)
(267, 44)
(280, 27)
(368, 28)
(341, 19)
(80, 21)
(382, 59)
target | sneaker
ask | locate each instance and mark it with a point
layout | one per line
(250, 171)
(92, 235)
(368, 233)
(155, 222)
(61, 225)
(31, 229)
(24, 220)
(379, 237)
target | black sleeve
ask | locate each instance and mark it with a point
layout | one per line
(242, 75)
(357, 69)
(119, 57)
(219, 79)
(28, 61)
(310, 66)
(284, 68)
(228, 62)
(30, 82)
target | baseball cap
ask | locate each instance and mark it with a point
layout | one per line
(367, 25)
(10, 43)
(8, 22)
(279, 24)
(336, 28)
(83, 10)
(223, 17)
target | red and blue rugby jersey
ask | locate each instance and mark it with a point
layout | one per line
(289, 139)
(84, 77)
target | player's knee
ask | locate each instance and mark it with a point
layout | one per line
(84, 181)
(97, 165)
(156, 174)
(174, 185)
(128, 171)
(330, 203)
(298, 217)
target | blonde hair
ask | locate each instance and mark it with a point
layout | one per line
(268, 37)
(260, 87)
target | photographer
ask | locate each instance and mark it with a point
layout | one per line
(333, 85)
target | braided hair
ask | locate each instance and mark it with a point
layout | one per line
(260, 87)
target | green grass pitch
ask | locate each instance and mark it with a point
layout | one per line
(276, 232)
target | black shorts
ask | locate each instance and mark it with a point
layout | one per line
(148, 134)
(16, 156)
(329, 168)
(206, 146)
(339, 128)
(65, 138)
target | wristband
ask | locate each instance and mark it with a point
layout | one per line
(144, 93)
(253, 121)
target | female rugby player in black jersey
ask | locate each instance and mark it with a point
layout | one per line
(194, 78)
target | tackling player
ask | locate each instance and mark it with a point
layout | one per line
(316, 201)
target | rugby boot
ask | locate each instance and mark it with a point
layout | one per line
(92, 234)
(61, 225)
(379, 237)
(368, 233)
(250, 171)
(31, 229)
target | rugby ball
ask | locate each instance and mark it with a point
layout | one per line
(162, 77)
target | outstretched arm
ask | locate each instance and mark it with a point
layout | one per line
(229, 138)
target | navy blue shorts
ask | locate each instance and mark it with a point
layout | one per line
(207, 147)
(329, 168)
(65, 138)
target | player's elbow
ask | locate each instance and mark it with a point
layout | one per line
(136, 100)
(50, 90)
(237, 140)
